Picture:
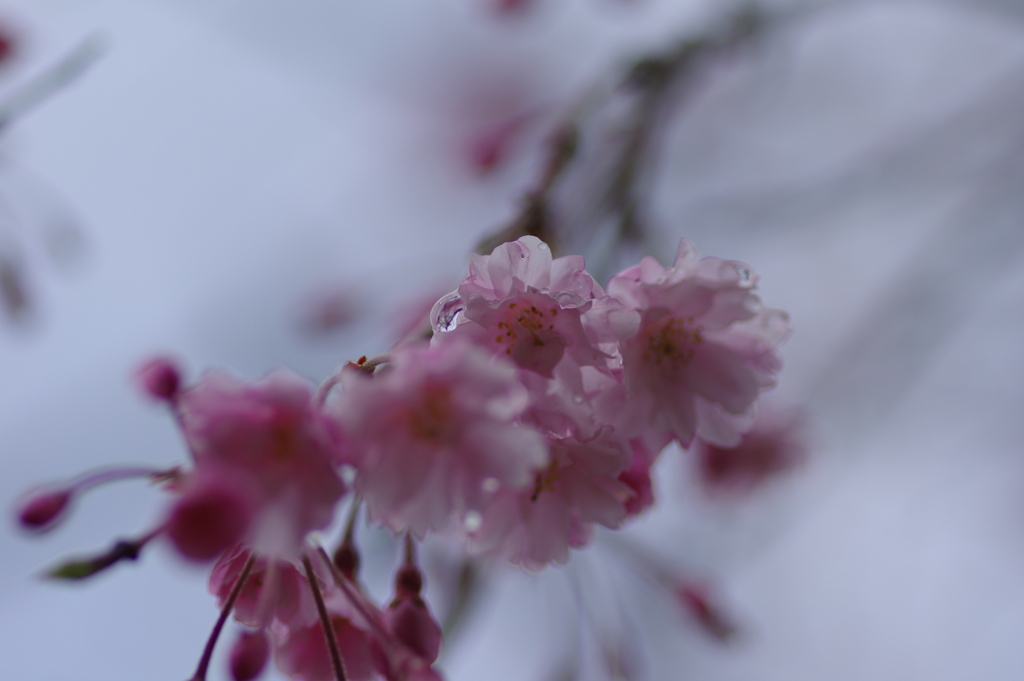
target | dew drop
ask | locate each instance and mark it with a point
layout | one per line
(578, 399)
(445, 314)
(743, 272)
(490, 485)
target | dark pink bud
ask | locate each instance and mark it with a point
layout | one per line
(697, 602)
(408, 581)
(42, 510)
(8, 43)
(347, 560)
(211, 516)
(160, 378)
(511, 6)
(411, 623)
(249, 656)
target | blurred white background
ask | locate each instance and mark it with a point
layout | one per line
(227, 162)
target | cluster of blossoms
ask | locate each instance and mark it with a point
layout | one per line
(533, 412)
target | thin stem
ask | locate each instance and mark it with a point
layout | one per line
(355, 598)
(51, 81)
(111, 474)
(350, 524)
(410, 549)
(268, 593)
(325, 621)
(467, 590)
(229, 605)
(124, 549)
(320, 398)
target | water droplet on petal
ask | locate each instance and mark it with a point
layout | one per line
(445, 314)
(743, 272)
(490, 485)
(578, 399)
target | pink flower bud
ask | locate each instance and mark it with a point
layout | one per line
(408, 582)
(411, 623)
(347, 560)
(696, 600)
(44, 509)
(159, 378)
(249, 655)
(8, 43)
(211, 516)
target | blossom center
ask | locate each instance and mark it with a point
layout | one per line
(283, 435)
(672, 341)
(544, 480)
(525, 319)
(430, 420)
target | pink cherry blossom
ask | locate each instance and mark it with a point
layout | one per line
(266, 448)
(301, 652)
(704, 351)
(275, 589)
(538, 524)
(520, 302)
(431, 429)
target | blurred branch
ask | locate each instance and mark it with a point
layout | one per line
(652, 85)
(50, 81)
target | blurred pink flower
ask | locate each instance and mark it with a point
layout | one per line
(275, 589)
(537, 525)
(775, 444)
(262, 449)
(301, 652)
(704, 351)
(431, 429)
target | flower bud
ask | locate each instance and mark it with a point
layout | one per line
(697, 602)
(411, 623)
(408, 582)
(249, 655)
(159, 378)
(210, 516)
(347, 560)
(44, 509)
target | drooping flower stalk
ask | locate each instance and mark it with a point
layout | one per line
(325, 621)
(43, 508)
(229, 605)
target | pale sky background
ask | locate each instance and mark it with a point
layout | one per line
(226, 160)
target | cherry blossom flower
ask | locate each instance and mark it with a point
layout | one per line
(520, 302)
(265, 459)
(704, 351)
(432, 430)
(275, 589)
(538, 525)
(301, 653)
